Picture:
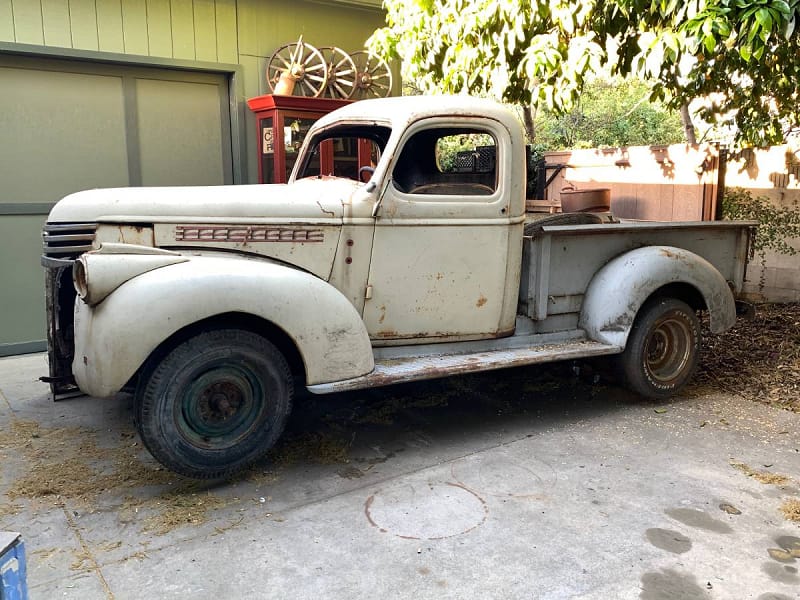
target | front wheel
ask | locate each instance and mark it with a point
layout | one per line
(215, 403)
(663, 348)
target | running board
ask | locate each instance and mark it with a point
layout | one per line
(399, 370)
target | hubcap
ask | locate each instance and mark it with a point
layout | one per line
(669, 348)
(221, 406)
(219, 402)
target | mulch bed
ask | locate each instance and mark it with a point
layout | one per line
(758, 359)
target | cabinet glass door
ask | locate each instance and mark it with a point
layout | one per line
(295, 130)
(267, 151)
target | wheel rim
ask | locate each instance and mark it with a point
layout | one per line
(303, 63)
(669, 349)
(342, 73)
(374, 78)
(223, 404)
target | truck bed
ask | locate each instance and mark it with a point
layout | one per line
(559, 262)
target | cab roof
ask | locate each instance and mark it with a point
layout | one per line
(400, 111)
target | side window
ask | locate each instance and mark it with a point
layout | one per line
(448, 161)
(351, 156)
(350, 151)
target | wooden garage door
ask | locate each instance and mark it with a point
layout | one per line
(66, 126)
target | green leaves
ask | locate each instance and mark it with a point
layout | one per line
(743, 53)
(775, 224)
(610, 113)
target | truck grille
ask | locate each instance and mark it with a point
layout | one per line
(68, 240)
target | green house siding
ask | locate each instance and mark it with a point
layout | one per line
(203, 30)
(234, 32)
(170, 35)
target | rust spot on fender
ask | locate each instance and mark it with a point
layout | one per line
(481, 301)
(668, 253)
(622, 323)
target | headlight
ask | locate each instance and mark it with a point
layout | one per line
(96, 274)
(79, 278)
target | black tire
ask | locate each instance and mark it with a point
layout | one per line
(215, 403)
(663, 348)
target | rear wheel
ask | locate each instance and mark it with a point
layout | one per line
(663, 348)
(215, 403)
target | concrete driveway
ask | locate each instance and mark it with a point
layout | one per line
(527, 483)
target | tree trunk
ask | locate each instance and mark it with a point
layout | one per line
(688, 126)
(528, 114)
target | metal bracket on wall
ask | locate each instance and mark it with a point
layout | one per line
(541, 183)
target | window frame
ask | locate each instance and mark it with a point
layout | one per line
(477, 125)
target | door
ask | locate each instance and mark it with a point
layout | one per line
(441, 243)
(69, 125)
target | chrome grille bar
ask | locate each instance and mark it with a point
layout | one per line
(77, 237)
(68, 239)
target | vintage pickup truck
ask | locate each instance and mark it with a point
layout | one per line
(212, 303)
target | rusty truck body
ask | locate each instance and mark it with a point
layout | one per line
(212, 303)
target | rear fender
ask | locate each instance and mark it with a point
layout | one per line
(116, 336)
(618, 290)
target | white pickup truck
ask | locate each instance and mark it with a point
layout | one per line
(213, 303)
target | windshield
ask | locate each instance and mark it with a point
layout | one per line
(350, 151)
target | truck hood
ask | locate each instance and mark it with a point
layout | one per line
(308, 199)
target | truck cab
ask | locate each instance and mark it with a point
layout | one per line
(439, 243)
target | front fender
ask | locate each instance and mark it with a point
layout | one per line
(115, 337)
(618, 290)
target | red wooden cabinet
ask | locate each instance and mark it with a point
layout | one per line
(282, 124)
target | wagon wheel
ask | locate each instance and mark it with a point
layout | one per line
(303, 65)
(342, 73)
(374, 77)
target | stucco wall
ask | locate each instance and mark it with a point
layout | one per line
(656, 183)
(773, 173)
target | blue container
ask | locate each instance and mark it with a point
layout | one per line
(13, 579)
